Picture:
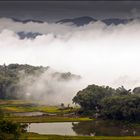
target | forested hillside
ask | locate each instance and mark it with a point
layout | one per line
(12, 75)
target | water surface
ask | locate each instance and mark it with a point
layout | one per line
(28, 113)
(90, 128)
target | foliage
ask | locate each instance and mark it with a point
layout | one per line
(110, 103)
(122, 107)
(12, 78)
(122, 91)
(90, 97)
(10, 130)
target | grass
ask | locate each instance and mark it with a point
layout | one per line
(30, 106)
(41, 119)
(34, 136)
(48, 109)
(11, 106)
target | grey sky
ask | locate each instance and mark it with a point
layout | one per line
(56, 10)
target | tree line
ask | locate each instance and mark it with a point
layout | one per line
(13, 74)
(110, 103)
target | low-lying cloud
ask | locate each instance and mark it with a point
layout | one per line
(97, 52)
(49, 87)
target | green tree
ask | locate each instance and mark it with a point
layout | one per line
(121, 107)
(122, 91)
(90, 97)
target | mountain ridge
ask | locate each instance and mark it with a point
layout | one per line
(80, 21)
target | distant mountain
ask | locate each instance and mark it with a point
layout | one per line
(27, 20)
(116, 21)
(80, 21)
(29, 35)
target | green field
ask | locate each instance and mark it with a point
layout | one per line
(11, 106)
(34, 136)
(15, 106)
(41, 119)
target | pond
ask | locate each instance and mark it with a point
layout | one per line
(28, 113)
(90, 128)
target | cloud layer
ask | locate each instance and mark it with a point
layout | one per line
(101, 54)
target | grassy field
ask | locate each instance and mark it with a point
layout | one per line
(42, 108)
(41, 119)
(11, 106)
(34, 136)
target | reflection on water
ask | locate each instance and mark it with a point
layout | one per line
(52, 128)
(28, 114)
(91, 128)
(106, 128)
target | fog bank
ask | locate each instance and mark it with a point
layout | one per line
(101, 54)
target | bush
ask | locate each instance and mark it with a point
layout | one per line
(11, 130)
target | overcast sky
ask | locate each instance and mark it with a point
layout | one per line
(56, 10)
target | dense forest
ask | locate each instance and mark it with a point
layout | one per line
(13, 76)
(106, 102)
(10, 76)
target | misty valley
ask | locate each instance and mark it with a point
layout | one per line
(29, 101)
(69, 70)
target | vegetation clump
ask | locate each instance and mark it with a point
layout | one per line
(11, 130)
(106, 102)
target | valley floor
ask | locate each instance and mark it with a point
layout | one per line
(43, 119)
(17, 106)
(34, 136)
